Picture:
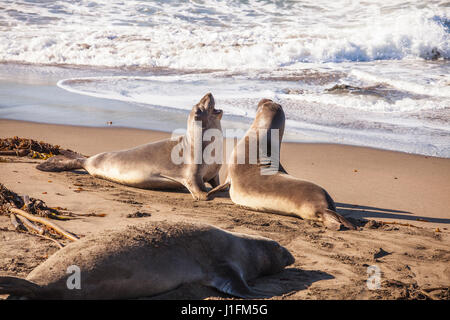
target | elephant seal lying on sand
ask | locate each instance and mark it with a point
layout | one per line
(151, 259)
(274, 191)
(150, 166)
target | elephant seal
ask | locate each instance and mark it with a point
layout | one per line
(151, 259)
(276, 191)
(150, 166)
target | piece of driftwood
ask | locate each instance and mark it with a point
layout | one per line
(45, 222)
(14, 221)
(436, 288)
(93, 214)
(30, 225)
(17, 225)
(426, 294)
(19, 153)
(60, 245)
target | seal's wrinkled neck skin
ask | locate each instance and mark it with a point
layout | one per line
(203, 116)
(261, 144)
(269, 115)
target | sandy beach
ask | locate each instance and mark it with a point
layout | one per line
(409, 193)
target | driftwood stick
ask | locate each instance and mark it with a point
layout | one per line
(60, 245)
(45, 222)
(17, 226)
(14, 221)
(30, 225)
(436, 288)
(426, 294)
(20, 153)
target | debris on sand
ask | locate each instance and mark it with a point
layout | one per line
(372, 224)
(380, 254)
(27, 147)
(138, 214)
(30, 215)
(34, 206)
(399, 290)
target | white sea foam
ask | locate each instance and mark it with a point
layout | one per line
(214, 34)
(182, 91)
(431, 89)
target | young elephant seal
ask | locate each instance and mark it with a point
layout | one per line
(151, 259)
(150, 166)
(255, 186)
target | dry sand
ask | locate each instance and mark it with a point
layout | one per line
(367, 184)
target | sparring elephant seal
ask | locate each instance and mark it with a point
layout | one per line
(151, 259)
(150, 166)
(275, 191)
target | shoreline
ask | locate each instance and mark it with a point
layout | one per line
(31, 93)
(165, 134)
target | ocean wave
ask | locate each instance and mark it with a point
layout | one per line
(312, 113)
(214, 34)
(238, 96)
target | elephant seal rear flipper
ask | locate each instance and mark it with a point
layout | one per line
(333, 220)
(60, 163)
(19, 287)
(67, 160)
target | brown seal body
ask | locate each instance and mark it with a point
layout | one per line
(261, 187)
(150, 166)
(151, 259)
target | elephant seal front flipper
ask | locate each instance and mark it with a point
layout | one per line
(227, 279)
(195, 186)
(219, 188)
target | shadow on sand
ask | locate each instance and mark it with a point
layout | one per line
(290, 280)
(366, 212)
(348, 210)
